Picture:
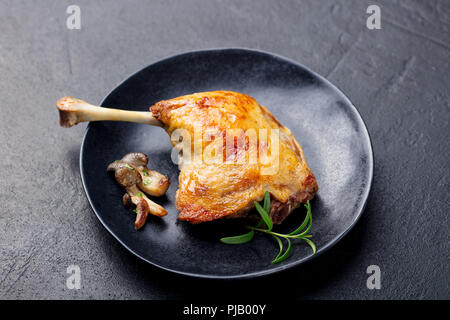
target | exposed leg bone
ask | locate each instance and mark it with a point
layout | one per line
(73, 111)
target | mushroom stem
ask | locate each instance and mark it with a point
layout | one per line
(155, 209)
(73, 111)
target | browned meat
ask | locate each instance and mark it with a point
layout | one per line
(209, 191)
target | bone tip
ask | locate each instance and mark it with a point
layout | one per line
(67, 111)
(67, 119)
(67, 103)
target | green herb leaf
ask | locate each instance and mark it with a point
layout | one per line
(308, 206)
(286, 253)
(239, 239)
(266, 207)
(147, 182)
(280, 244)
(312, 245)
(145, 173)
(264, 215)
(126, 165)
(139, 194)
(305, 222)
(302, 226)
(310, 223)
(134, 210)
(265, 219)
(267, 202)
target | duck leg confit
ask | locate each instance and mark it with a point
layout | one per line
(210, 189)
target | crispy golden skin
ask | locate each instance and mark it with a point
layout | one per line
(212, 191)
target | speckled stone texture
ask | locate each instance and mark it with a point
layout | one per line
(398, 78)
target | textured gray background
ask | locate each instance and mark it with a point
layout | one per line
(398, 78)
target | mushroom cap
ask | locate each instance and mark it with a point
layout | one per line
(136, 159)
(125, 174)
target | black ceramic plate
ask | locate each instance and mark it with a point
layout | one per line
(334, 139)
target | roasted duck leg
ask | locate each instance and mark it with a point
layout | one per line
(210, 190)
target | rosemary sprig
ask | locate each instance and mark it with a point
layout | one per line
(298, 233)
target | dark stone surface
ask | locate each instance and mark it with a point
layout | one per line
(397, 77)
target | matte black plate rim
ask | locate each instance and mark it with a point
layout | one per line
(329, 245)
